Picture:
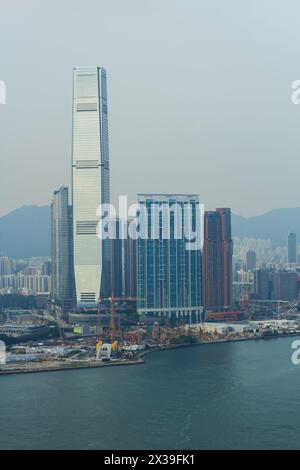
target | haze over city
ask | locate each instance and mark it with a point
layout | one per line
(199, 98)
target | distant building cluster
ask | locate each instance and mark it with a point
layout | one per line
(265, 274)
(276, 285)
(162, 274)
(27, 277)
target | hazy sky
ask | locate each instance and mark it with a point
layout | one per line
(198, 90)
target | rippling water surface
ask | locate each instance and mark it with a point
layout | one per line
(221, 396)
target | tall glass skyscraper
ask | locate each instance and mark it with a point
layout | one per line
(61, 249)
(168, 274)
(90, 183)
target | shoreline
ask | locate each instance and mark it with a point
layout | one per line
(56, 365)
(203, 343)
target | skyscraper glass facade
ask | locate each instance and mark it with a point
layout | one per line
(90, 183)
(168, 274)
(61, 249)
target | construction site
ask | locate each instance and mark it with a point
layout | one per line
(115, 335)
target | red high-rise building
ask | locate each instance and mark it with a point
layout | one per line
(217, 260)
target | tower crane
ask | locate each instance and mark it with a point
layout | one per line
(112, 301)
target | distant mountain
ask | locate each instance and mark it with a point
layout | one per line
(274, 225)
(25, 232)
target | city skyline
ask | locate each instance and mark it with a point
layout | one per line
(150, 282)
(165, 95)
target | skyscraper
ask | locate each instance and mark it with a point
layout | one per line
(123, 265)
(90, 183)
(292, 248)
(263, 284)
(61, 249)
(251, 260)
(217, 260)
(285, 285)
(117, 257)
(168, 274)
(129, 268)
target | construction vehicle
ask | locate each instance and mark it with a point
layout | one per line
(98, 344)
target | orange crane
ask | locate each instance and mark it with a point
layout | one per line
(99, 321)
(112, 301)
(112, 319)
(112, 313)
(120, 328)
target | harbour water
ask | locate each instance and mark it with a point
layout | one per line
(219, 396)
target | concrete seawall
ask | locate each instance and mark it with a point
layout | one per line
(51, 366)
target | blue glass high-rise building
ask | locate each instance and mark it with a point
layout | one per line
(168, 273)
